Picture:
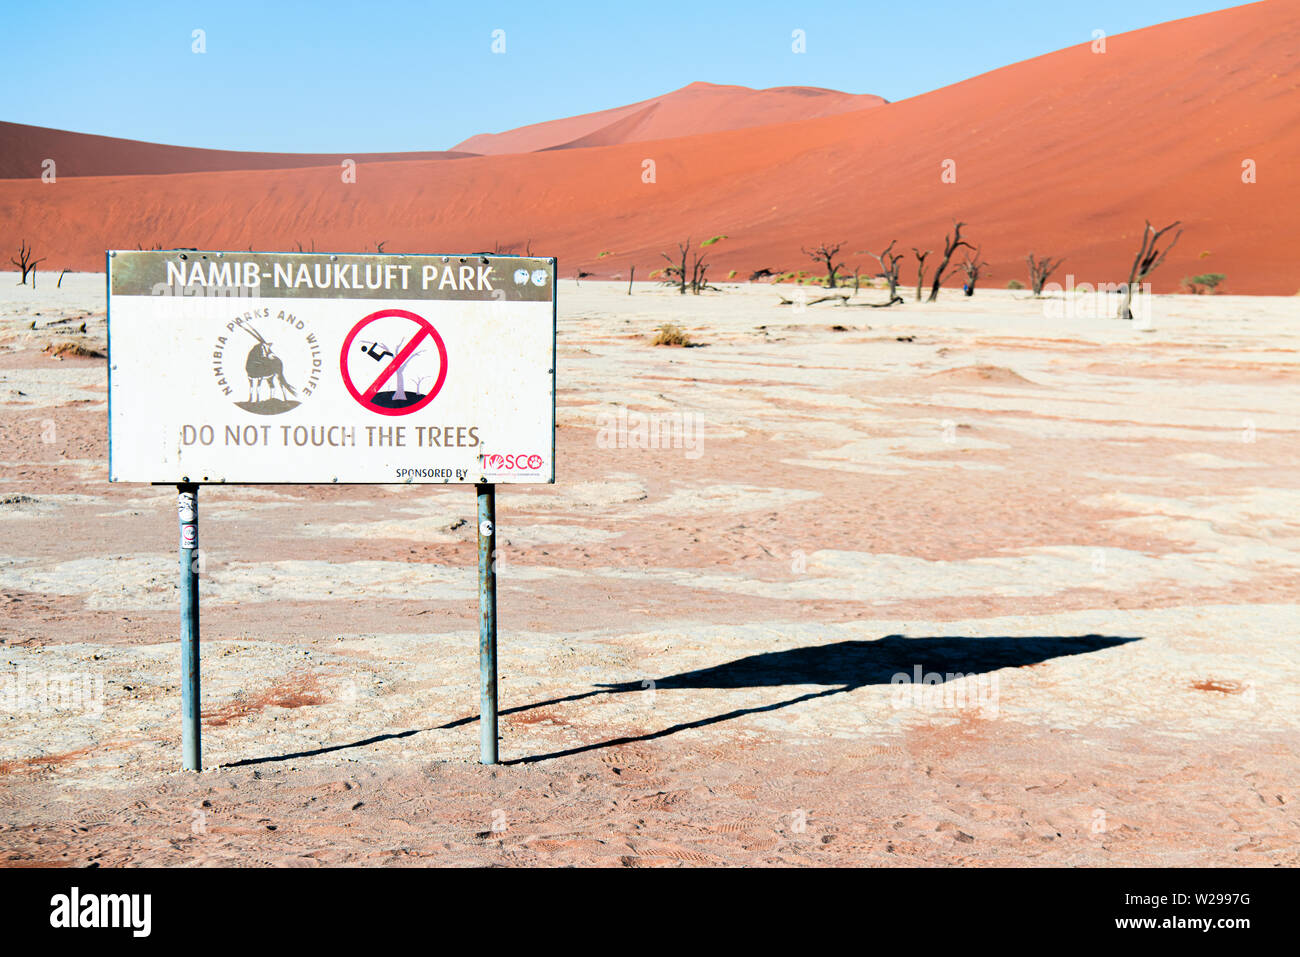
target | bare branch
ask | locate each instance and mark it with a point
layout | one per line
(973, 266)
(826, 253)
(1039, 270)
(950, 245)
(920, 270)
(890, 264)
(1148, 259)
(26, 263)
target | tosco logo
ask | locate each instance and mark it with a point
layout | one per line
(507, 463)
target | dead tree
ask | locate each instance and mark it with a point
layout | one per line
(698, 269)
(1039, 270)
(839, 299)
(950, 245)
(825, 253)
(1146, 261)
(920, 270)
(26, 263)
(675, 273)
(688, 272)
(972, 265)
(890, 263)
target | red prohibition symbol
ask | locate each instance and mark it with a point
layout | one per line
(397, 399)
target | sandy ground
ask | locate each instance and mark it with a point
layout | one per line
(1090, 531)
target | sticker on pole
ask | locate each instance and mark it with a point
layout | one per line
(309, 368)
(394, 362)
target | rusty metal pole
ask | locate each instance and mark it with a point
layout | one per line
(487, 624)
(187, 513)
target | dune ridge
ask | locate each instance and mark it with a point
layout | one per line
(87, 154)
(696, 108)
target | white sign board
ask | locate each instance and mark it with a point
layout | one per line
(318, 368)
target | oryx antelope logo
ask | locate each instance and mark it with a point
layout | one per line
(280, 371)
(264, 367)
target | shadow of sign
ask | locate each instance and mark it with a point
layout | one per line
(837, 668)
(853, 664)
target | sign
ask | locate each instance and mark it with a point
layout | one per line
(387, 393)
(318, 368)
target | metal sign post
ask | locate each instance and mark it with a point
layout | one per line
(487, 624)
(187, 514)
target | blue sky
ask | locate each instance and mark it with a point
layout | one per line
(372, 76)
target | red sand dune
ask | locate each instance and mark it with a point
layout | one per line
(1065, 154)
(697, 108)
(25, 148)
